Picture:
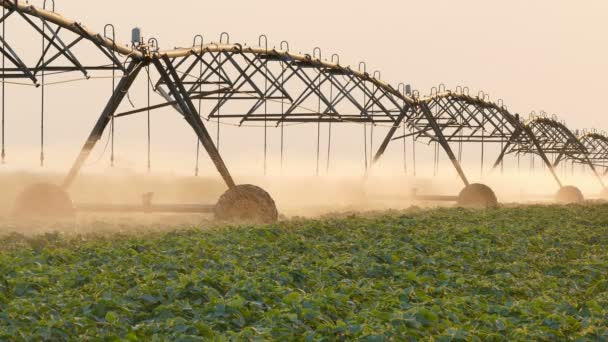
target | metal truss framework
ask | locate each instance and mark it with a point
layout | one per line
(60, 39)
(223, 81)
(596, 145)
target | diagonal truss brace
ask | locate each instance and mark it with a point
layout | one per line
(104, 119)
(191, 115)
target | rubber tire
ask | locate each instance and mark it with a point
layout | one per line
(43, 200)
(246, 203)
(478, 196)
(569, 195)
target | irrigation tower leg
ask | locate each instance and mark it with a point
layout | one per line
(504, 150)
(444, 143)
(119, 94)
(591, 166)
(190, 113)
(543, 156)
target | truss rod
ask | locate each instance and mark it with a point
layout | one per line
(191, 115)
(104, 119)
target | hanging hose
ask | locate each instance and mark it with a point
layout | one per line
(365, 143)
(42, 122)
(532, 163)
(149, 124)
(105, 33)
(265, 122)
(460, 140)
(318, 147)
(198, 141)
(318, 55)
(319, 129)
(483, 143)
(3, 85)
(282, 113)
(285, 47)
(200, 100)
(219, 88)
(331, 100)
(404, 150)
(414, 155)
(502, 164)
(435, 158)
(265, 103)
(42, 98)
(153, 46)
(518, 162)
(371, 132)
(371, 141)
(377, 75)
(436, 169)
(364, 113)
(460, 146)
(573, 168)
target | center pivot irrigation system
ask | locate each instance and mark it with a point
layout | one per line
(276, 87)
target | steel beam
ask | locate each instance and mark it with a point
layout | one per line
(443, 142)
(543, 156)
(390, 134)
(191, 115)
(104, 119)
(513, 138)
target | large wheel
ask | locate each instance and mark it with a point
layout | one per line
(43, 200)
(477, 196)
(247, 203)
(569, 195)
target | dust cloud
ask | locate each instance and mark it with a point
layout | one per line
(295, 195)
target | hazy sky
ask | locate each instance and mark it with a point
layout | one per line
(535, 54)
